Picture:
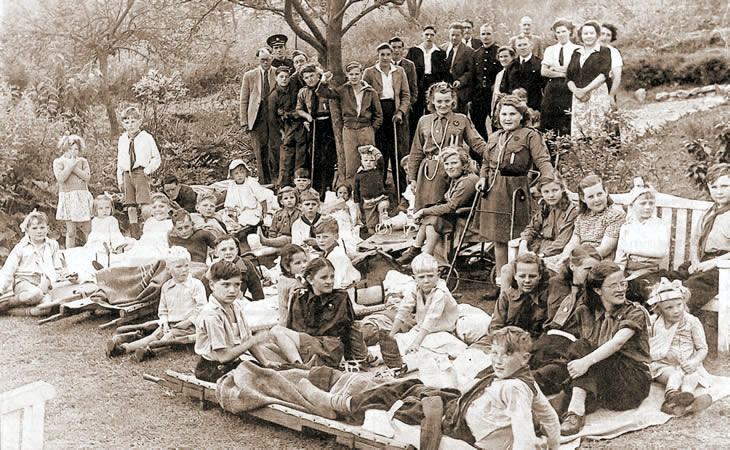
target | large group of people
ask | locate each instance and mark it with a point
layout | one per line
(459, 124)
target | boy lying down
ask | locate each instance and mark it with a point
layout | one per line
(496, 412)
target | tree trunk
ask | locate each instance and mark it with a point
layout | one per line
(105, 95)
(334, 64)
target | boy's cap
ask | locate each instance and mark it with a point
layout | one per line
(384, 46)
(238, 162)
(429, 27)
(286, 189)
(283, 69)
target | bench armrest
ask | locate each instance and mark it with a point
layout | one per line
(513, 247)
(723, 311)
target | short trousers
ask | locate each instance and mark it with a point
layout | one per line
(175, 331)
(212, 370)
(136, 187)
(329, 349)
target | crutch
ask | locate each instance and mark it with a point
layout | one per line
(396, 162)
(463, 234)
(314, 141)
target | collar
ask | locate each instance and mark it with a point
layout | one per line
(393, 68)
(433, 48)
(188, 281)
(454, 47)
(526, 59)
(363, 85)
(616, 314)
(26, 241)
(515, 294)
(595, 49)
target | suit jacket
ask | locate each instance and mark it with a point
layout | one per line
(475, 43)
(538, 47)
(438, 65)
(486, 68)
(251, 97)
(401, 89)
(462, 69)
(525, 76)
(410, 68)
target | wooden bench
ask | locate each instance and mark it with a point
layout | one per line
(683, 216)
(22, 415)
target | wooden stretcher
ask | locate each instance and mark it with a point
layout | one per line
(347, 435)
(127, 313)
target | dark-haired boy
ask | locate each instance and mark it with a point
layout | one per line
(222, 334)
(183, 234)
(283, 117)
(181, 195)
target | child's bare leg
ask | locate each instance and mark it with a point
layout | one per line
(420, 237)
(432, 238)
(70, 234)
(690, 382)
(30, 295)
(288, 342)
(139, 343)
(132, 214)
(671, 379)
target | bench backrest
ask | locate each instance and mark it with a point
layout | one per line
(22, 413)
(682, 215)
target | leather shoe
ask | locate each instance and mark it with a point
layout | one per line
(408, 256)
(572, 424)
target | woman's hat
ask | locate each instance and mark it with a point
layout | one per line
(667, 290)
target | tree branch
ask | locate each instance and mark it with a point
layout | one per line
(365, 11)
(319, 46)
(316, 33)
(345, 7)
(261, 6)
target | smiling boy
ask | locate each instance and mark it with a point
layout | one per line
(183, 234)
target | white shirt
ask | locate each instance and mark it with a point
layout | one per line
(345, 272)
(146, 154)
(387, 78)
(616, 61)
(585, 54)
(427, 58)
(525, 59)
(552, 55)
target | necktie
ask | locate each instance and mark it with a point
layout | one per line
(315, 103)
(132, 154)
(560, 56)
(450, 57)
(266, 86)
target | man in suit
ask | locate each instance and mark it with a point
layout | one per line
(430, 68)
(409, 67)
(486, 68)
(255, 89)
(469, 40)
(524, 72)
(459, 58)
(391, 83)
(538, 47)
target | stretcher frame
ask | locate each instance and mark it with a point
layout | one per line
(344, 434)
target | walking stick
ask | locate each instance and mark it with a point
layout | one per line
(396, 162)
(311, 154)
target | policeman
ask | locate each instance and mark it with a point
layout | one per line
(277, 43)
(486, 68)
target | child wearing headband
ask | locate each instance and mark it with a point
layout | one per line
(678, 347)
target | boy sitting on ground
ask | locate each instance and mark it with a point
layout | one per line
(301, 229)
(181, 299)
(434, 306)
(327, 233)
(33, 266)
(222, 334)
(183, 234)
(181, 196)
(204, 218)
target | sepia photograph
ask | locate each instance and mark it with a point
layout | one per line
(368, 224)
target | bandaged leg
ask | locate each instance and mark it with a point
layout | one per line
(324, 404)
(433, 410)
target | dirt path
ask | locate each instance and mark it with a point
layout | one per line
(654, 115)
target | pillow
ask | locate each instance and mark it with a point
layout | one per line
(472, 324)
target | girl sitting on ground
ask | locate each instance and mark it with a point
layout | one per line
(74, 199)
(281, 223)
(643, 244)
(156, 227)
(227, 249)
(678, 347)
(344, 193)
(293, 261)
(33, 266)
(105, 234)
(320, 320)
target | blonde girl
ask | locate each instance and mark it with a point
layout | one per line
(74, 199)
(105, 230)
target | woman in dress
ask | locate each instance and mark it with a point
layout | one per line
(557, 99)
(587, 74)
(512, 153)
(439, 219)
(505, 55)
(434, 133)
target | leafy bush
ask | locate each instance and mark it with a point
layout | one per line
(705, 155)
(659, 70)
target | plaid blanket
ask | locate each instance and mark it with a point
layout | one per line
(125, 286)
